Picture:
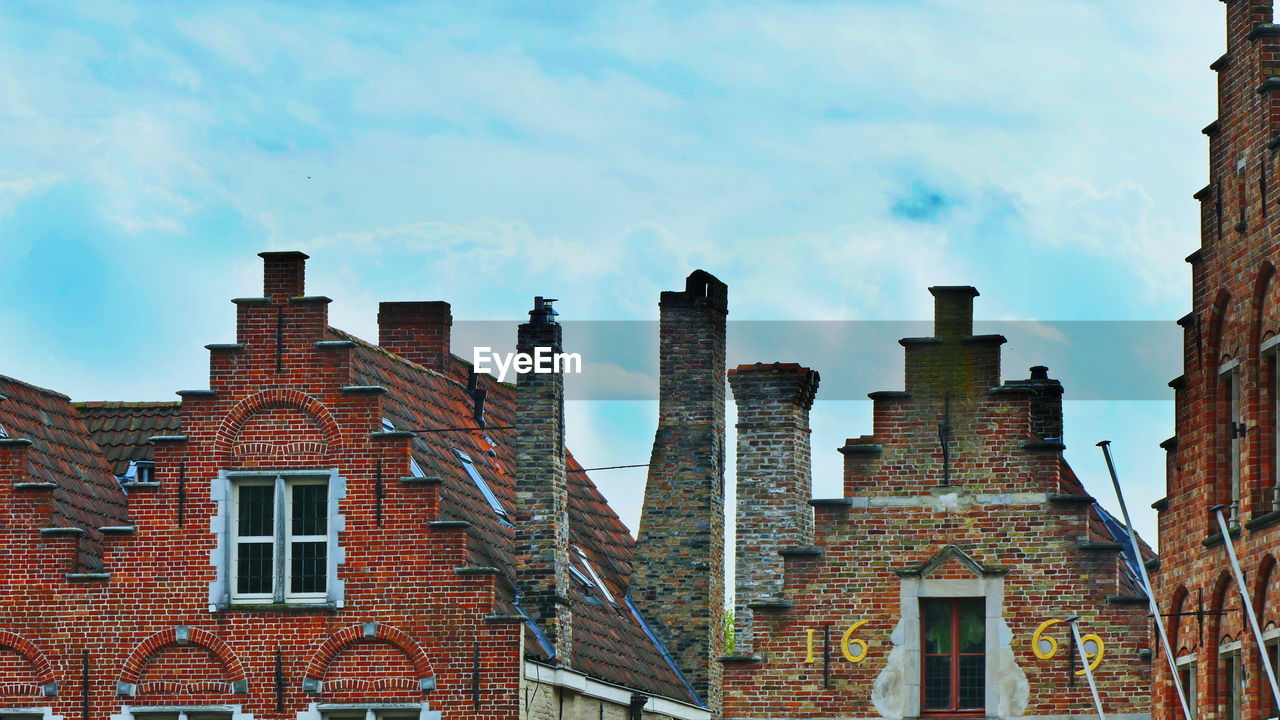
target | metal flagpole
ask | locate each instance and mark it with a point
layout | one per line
(1146, 582)
(1244, 600)
(1084, 659)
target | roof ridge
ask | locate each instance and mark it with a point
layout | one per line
(125, 403)
(38, 388)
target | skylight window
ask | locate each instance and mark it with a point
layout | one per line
(595, 577)
(485, 490)
(387, 424)
(415, 468)
(3, 433)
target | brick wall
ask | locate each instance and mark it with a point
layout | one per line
(679, 570)
(1003, 520)
(1235, 311)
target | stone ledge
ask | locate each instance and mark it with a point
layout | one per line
(1271, 83)
(862, 449)
(163, 439)
(506, 619)
(15, 442)
(363, 390)
(993, 339)
(1265, 520)
(1216, 538)
(1099, 546)
(1211, 129)
(1160, 505)
(1221, 63)
(475, 570)
(841, 502)
(224, 347)
(810, 552)
(904, 342)
(448, 524)
(117, 529)
(88, 577)
(1014, 390)
(196, 394)
(1070, 499)
(421, 480)
(888, 395)
(740, 659)
(35, 486)
(311, 300)
(1126, 599)
(1044, 445)
(1263, 30)
(334, 344)
(135, 485)
(63, 531)
(1201, 194)
(392, 435)
(278, 607)
(770, 604)
(251, 301)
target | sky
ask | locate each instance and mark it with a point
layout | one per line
(828, 160)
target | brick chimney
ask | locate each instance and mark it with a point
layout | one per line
(678, 579)
(1046, 403)
(953, 360)
(284, 274)
(774, 481)
(417, 331)
(542, 491)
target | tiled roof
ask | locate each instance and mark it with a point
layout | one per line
(87, 495)
(609, 642)
(121, 429)
(1105, 527)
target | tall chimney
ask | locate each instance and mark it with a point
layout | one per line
(284, 274)
(542, 491)
(774, 480)
(417, 331)
(678, 578)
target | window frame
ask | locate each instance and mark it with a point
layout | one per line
(1229, 377)
(1230, 674)
(1187, 671)
(469, 467)
(371, 711)
(224, 590)
(954, 606)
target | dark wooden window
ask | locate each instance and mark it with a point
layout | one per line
(953, 668)
(1187, 674)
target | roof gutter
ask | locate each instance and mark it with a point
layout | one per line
(584, 685)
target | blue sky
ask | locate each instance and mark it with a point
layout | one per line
(829, 160)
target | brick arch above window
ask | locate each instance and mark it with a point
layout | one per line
(28, 651)
(1263, 597)
(1184, 641)
(320, 661)
(234, 679)
(1266, 303)
(1217, 326)
(233, 423)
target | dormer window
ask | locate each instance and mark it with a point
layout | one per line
(144, 471)
(595, 577)
(469, 465)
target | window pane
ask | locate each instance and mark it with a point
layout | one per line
(937, 682)
(937, 627)
(254, 568)
(972, 682)
(973, 629)
(256, 503)
(308, 572)
(310, 509)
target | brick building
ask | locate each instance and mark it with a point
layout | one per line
(960, 532)
(336, 530)
(1228, 400)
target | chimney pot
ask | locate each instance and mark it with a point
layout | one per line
(284, 274)
(1039, 372)
(417, 331)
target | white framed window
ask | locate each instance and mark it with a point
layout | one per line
(1232, 678)
(1187, 676)
(28, 713)
(281, 538)
(1235, 431)
(370, 711)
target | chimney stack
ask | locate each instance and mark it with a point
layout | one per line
(774, 480)
(542, 491)
(284, 274)
(953, 310)
(417, 331)
(678, 578)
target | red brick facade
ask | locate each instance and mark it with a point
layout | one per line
(1001, 520)
(1225, 448)
(406, 592)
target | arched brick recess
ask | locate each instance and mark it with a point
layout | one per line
(328, 650)
(236, 418)
(31, 653)
(1262, 592)
(131, 670)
